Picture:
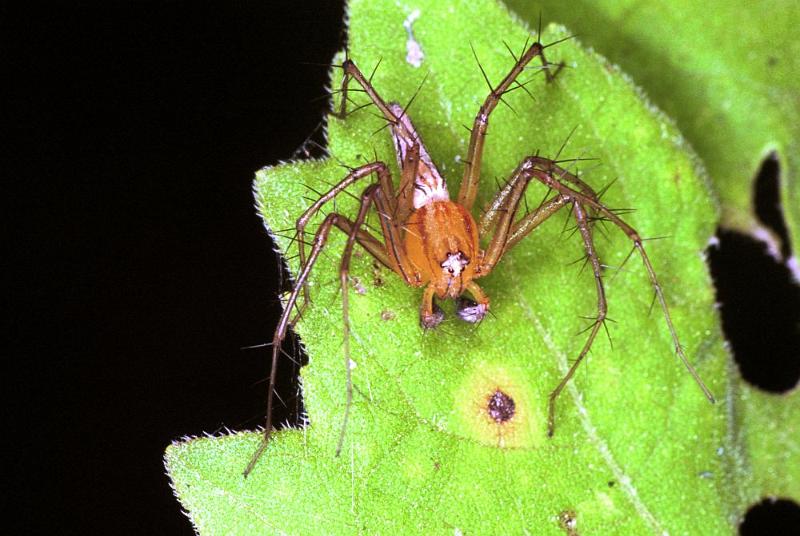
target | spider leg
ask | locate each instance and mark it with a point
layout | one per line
(473, 311)
(411, 152)
(430, 315)
(523, 227)
(498, 220)
(472, 168)
(320, 238)
(355, 234)
(412, 155)
(344, 271)
(373, 246)
(547, 208)
(552, 178)
(552, 167)
(351, 71)
(405, 191)
(391, 255)
(384, 179)
(602, 308)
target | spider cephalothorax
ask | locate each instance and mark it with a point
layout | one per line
(433, 241)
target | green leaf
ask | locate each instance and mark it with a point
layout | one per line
(728, 72)
(637, 448)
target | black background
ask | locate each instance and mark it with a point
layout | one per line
(144, 269)
(136, 129)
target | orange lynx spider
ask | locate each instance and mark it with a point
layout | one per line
(433, 242)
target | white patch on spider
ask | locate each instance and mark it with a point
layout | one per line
(768, 239)
(474, 313)
(428, 190)
(429, 185)
(414, 54)
(454, 264)
(794, 267)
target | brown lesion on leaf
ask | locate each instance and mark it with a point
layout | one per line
(499, 412)
(496, 407)
(500, 407)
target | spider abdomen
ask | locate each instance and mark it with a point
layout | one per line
(441, 240)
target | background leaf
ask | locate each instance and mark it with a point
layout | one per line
(728, 73)
(637, 448)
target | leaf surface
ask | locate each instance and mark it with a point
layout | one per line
(729, 73)
(637, 448)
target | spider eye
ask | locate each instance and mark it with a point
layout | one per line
(454, 263)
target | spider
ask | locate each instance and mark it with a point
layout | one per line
(433, 242)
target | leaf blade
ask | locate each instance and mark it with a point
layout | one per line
(417, 457)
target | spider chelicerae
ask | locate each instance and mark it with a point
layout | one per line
(433, 242)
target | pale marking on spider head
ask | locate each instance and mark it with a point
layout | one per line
(429, 186)
(454, 263)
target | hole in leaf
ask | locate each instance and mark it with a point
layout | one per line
(771, 516)
(767, 201)
(760, 309)
(501, 407)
